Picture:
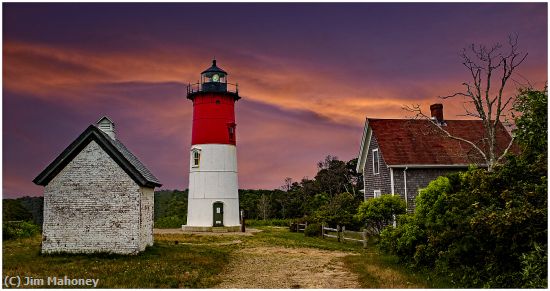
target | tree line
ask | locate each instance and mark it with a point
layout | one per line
(332, 194)
(335, 187)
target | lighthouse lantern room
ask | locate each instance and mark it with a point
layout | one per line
(213, 188)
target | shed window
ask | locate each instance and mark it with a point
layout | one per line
(377, 193)
(196, 158)
(375, 162)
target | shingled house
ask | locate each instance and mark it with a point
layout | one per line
(400, 156)
(98, 196)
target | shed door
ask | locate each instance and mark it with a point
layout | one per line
(218, 214)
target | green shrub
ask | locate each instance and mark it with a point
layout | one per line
(313, 229)
(480, 228)
(534, 271)
(19, 229)
(404, 240)
(379, 212)
(173, 221)
(339, 210)
(388, 240)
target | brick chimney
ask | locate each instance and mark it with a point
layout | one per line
(437, 112)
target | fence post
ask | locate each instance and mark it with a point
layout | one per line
(344, 234)
(243, 228)
(364, 234)
(338, 232)
(323, 230)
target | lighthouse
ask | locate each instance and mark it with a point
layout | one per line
(213, 202)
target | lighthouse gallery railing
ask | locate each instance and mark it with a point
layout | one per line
(197, 87)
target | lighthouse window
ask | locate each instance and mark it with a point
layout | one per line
(196, 156)
(232, 132)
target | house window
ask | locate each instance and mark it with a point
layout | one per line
(377, 193)
(375, 162)
(195, 158)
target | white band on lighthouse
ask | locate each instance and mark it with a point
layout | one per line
(213, 180)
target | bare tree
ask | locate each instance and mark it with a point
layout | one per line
(264, 207)
(483, 98)
(287, 184)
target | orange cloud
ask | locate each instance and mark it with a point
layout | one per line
(67, 74)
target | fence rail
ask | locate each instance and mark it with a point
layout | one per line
(341, 234)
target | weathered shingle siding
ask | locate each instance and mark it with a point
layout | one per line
(92, 205)
(375, 182)
(416, 179)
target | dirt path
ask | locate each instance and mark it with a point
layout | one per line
(279, 267)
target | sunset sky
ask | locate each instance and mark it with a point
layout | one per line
(308, 75)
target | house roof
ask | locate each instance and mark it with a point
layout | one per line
(420, 142)
(114, 148)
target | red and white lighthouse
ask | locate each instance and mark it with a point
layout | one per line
(213, 187)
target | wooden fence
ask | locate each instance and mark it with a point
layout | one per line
(341, 234)
(301, 227)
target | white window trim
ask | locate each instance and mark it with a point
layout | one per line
(377, 193)
(392, 185)
(374, 169)
(193, 151)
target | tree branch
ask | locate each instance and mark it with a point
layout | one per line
(507, 149)
(490, 69)
(420, 115)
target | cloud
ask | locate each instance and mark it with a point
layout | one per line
(72, 75)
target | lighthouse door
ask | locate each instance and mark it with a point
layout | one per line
(218, 214)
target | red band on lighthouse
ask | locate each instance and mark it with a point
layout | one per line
(214, 119)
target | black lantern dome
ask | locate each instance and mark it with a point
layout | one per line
(214, 79)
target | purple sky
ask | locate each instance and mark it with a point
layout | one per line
(309, 74)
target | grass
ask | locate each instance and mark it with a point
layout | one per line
(384, 271)
(165, 265)
(268, 222)
(280, 236)
(194, 261)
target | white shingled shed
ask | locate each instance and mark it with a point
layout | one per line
(98, 197)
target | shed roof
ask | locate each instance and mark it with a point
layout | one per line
(114, 148)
